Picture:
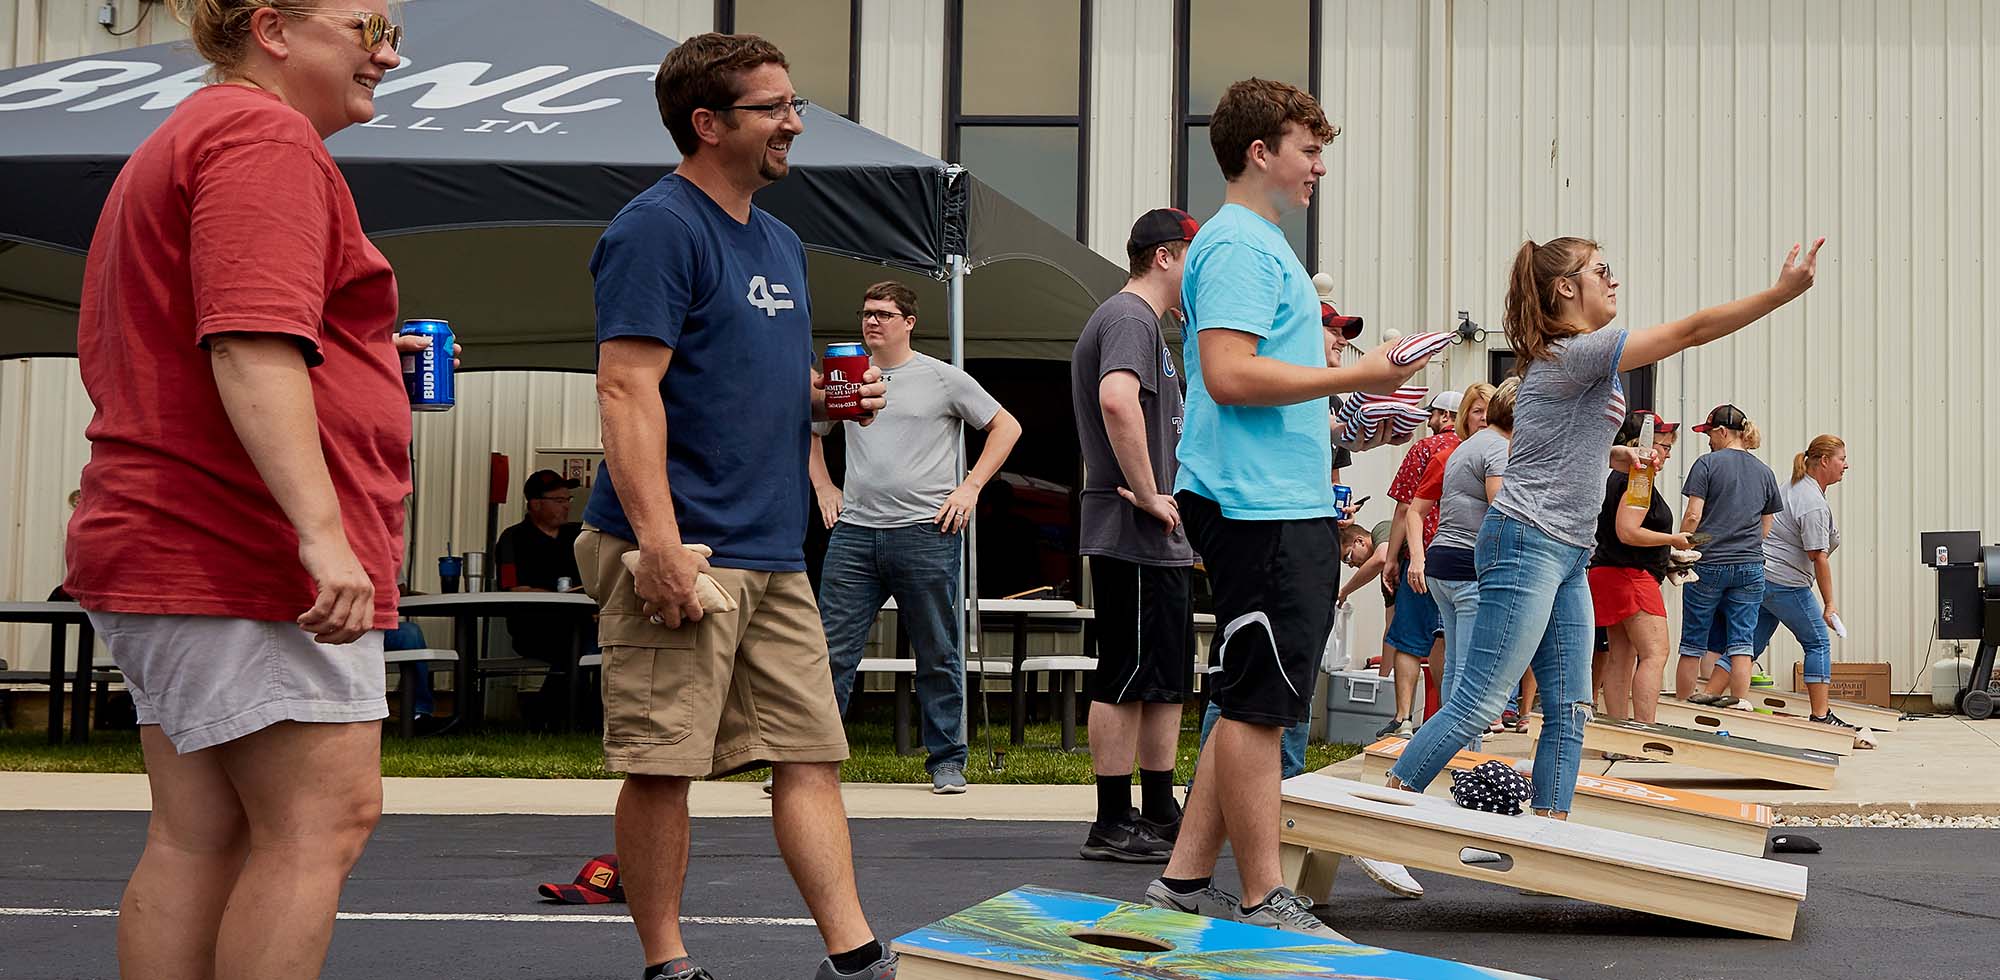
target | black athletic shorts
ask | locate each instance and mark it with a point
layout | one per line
(1145, 632)
(1274, 588)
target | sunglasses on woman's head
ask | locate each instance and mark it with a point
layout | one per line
(375, 28)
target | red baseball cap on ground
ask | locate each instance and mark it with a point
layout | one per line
(596, 884)
(1724, 417)
(1330, 318)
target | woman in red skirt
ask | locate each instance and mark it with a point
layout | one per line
(1625, 575)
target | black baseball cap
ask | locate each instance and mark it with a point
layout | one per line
(596, 884)
(1158, 227)
(541, 482)
(1725, 417)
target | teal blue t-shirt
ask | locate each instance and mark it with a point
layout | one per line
(1259, 463)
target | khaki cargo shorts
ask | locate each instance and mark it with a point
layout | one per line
(730, 692)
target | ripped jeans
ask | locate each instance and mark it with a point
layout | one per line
(1534, 610)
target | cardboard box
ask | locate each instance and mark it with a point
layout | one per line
(1861, 683)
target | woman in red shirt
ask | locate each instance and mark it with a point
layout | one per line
(241, 523)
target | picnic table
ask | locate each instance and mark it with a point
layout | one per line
(59, 616)
(466, 609)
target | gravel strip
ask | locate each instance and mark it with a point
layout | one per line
(1889, 819)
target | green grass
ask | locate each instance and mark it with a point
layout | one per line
(529, 756)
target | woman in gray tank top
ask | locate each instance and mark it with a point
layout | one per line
(1534, 546)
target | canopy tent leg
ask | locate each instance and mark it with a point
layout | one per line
(968, 620)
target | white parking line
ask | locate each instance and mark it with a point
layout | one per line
(701, 920)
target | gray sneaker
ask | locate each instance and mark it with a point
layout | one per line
(1290, 911)
(947, 779)
(1832, 719)
(882, 969)
(680, 969)
(1210, 901)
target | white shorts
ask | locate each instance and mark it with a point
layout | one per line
(206, 680)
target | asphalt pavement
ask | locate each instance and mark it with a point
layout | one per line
(435, 891)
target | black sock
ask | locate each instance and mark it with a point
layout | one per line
(858, 958)
(1114, 800)
(1156, 793)
(1186, 886)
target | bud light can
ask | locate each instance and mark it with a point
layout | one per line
(843, 368)
(427, 374)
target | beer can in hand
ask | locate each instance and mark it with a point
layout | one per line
(843, 368)
(428, 374)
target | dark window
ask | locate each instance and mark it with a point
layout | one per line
(1019, 73)
(1640, 386)
(1217, 43)
(818, 37)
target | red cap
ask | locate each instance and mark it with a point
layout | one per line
(596, 884)
(1330, 318)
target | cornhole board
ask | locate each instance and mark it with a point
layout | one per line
(1738, 756)
(1045, 934)
(1620, 804)
(1794, 703)
(1795, 732)
(1680, 881)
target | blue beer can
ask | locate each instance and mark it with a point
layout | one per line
(427, 374)
(1342, 493)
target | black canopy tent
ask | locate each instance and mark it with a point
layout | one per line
(512, 133)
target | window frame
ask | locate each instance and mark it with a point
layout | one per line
(956, 119)
(1185, 120)
(725, 23)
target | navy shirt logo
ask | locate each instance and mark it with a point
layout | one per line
(764, 296)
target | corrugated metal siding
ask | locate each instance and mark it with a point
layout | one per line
(902, 71)
(1131, 112)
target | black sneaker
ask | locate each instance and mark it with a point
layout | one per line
(682, 968)
(1124, 841)
(1169, 831)
(1832, 719)
(1395, 726)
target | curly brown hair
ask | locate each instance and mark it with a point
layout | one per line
(1257, 109)
(705, 72)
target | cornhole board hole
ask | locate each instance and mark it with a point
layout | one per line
(1679, 881)
(1737, 756)
(1619, 804)
(1795, 732)
(1055, 935)
(1794, 703)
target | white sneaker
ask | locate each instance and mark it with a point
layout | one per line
(1394, 878)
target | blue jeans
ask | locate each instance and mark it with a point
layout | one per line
(919, 566)
(1291, 743)
(1534, 610)
(1732, 592)
(1458, 607)
(1799, 609)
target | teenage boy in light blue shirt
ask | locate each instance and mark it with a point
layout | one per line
(1253, 492)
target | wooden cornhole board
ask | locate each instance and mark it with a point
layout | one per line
(1793, 703)
(1680, 881)
(1795, 732)
(1054, 935)
(1620, 804)
(1739, 756)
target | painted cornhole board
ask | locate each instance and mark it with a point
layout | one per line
(1738, 756)
(1793, 703)
(1043, 934)
(1795, 732)
(1620, 804)
(1680, 881)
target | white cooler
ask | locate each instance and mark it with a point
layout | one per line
(1358, 704)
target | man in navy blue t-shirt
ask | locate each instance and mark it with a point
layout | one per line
(705, 384)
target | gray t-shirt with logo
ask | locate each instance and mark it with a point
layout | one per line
(901, 466)
(1569, 408)
(1462, 506)
(1737, 490)
(1806, 524)
(1125, 335)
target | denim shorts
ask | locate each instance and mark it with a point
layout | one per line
(1415, 622)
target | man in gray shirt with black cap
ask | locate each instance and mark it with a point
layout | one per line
(1126, 391)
